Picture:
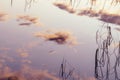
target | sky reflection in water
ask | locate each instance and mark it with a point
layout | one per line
(19, 45)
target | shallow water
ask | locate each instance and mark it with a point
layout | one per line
(20, 43)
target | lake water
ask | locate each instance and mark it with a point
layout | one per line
(19, 45)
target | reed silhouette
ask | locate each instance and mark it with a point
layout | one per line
(64, 73)
(103, 65)
(28, 3)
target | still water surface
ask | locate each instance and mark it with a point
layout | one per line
(48, 55)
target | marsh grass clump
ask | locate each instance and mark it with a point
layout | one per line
(110, 18)
(27, 20)
(94, 8)
(65, 7)
(103, 10)
(90, 13)
(60, 37)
